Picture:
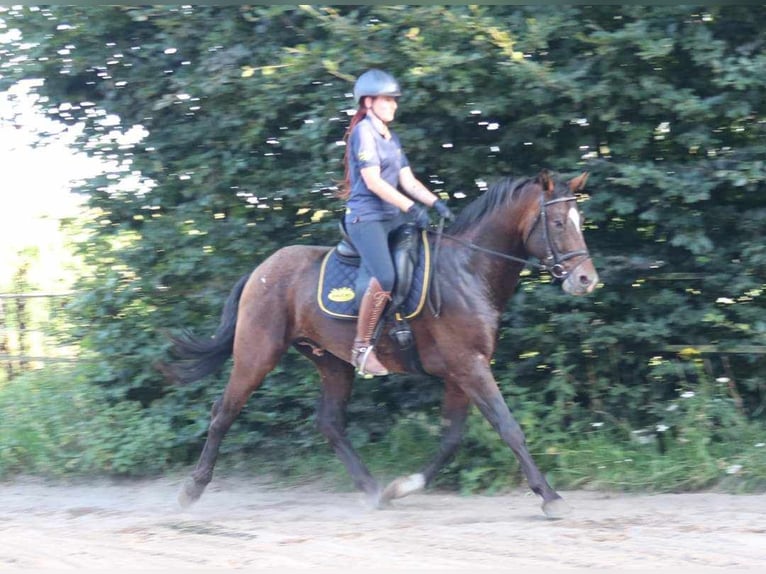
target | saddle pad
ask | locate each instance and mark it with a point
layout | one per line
(337, 281)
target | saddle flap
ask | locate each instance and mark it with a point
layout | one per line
(404, 249)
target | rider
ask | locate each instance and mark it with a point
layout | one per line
(381, 193)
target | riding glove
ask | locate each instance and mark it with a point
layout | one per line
(444, 211)
(419, 214)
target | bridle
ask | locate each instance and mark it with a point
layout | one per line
(553, 262)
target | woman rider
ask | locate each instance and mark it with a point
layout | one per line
(381, 194)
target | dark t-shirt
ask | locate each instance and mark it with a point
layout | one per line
(367, 147)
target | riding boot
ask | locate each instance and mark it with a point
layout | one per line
(370, 310)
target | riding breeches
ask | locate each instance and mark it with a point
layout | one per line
(371, 240)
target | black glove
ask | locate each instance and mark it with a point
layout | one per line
(444, 211)
(419, 214)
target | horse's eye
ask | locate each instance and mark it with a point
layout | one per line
(558, 223)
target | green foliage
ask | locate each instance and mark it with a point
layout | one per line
(243, 107)
(55, 423)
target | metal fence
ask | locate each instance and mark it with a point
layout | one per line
(33, 329)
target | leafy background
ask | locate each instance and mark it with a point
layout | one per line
(656, 381)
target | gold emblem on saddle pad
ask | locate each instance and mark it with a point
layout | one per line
(341, 294)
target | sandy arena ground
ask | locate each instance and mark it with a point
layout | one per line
(244, 523)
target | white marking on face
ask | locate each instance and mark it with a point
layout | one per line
(574, 217)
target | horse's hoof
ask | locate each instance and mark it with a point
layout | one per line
(403, 486)
(374, 500)
(189, 493)
(556, 508)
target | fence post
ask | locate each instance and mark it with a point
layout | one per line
(4, 346)
(24, 316)
(21, 319)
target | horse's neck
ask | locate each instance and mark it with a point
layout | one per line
(500, 236)
(497, 233)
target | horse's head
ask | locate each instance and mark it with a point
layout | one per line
(555, 234)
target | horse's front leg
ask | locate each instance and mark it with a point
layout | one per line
(482, 389)
(454, 413)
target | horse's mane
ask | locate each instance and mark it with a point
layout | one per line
(498, 194)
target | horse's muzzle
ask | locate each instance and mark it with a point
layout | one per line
(581, 279)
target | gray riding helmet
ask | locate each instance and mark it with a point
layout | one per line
(376, 83)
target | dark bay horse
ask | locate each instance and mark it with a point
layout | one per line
(482, 254)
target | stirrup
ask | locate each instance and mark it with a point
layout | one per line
(359, 360)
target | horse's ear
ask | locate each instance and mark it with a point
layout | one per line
(546, 181)
(578, 183)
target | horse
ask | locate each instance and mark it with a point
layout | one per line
(491, 240)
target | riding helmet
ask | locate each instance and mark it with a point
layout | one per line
(376, 83)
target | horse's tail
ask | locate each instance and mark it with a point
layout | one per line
(202, 356)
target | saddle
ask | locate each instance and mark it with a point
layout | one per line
(343, 280)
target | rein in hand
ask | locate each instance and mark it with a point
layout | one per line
(557, 270)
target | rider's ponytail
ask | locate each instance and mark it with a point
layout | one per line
(344, 189)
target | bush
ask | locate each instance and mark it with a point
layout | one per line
(54, 422)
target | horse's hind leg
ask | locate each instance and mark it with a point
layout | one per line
(246, 377)
(337, 379)
(454, 413)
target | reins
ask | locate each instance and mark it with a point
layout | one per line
(439, 234)
(557, 270)
(434, 294)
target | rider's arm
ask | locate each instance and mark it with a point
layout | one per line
(383, 189)
(414, 188)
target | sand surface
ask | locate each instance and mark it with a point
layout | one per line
(248, 523)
